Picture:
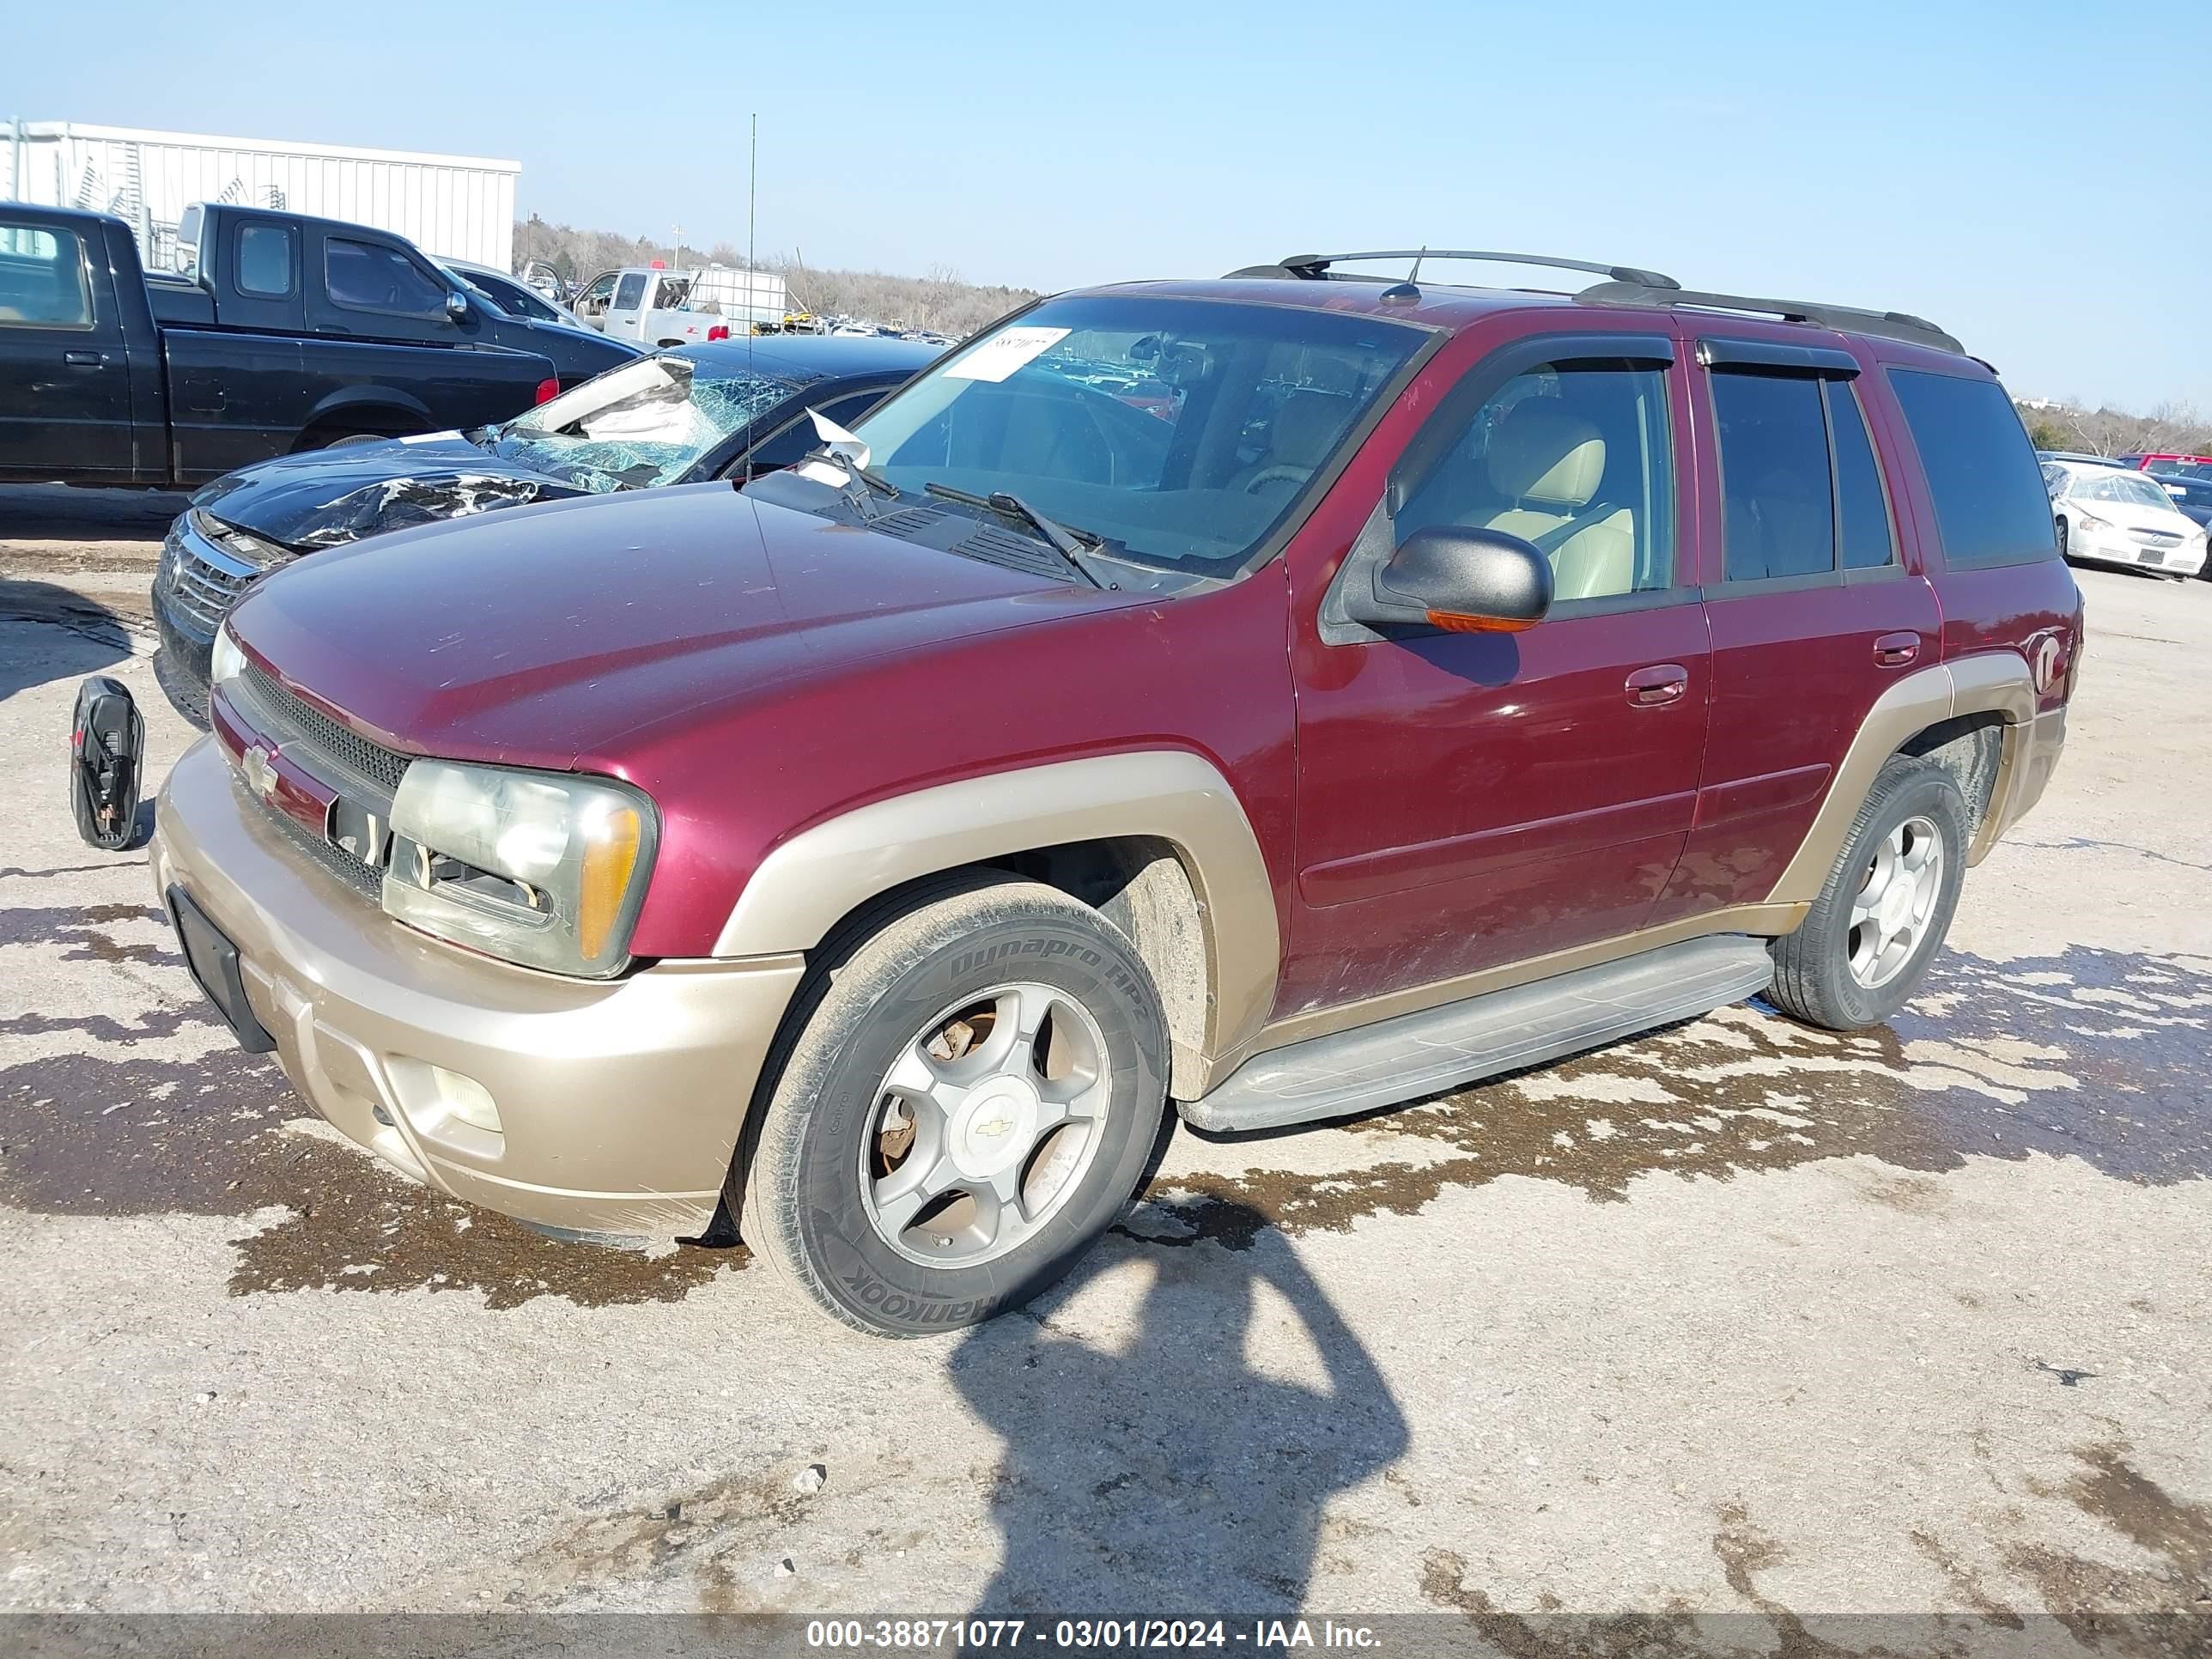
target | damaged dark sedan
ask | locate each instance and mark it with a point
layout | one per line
(731, 409)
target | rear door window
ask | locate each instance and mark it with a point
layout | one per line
(1990, 505)
(629, 292)
(1862, 505)
(1777, 501)
(42, 283)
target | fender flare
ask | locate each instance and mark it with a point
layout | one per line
(1995, 682)
(806, 884)
(359, 399)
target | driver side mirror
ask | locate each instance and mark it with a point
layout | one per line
(456, 305)
(1465, 581)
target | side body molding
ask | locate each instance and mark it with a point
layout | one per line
(1996, 682)
(806, 884)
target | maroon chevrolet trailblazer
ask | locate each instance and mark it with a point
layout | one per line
(1264, 700)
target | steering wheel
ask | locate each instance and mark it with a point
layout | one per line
(1296, 475)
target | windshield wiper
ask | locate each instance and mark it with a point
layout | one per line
(1064, 540)
(875, 481)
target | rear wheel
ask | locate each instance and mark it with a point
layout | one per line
(969, 1094)
(1883, 913)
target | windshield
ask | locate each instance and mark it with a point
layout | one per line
(2122, 488)
(1179, 432)
(645, 423)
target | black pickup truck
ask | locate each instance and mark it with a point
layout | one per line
(280, 333)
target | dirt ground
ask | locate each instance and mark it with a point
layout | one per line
(1739, 1328)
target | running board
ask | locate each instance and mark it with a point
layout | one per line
(1395, 1060)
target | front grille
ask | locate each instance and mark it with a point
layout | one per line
(2157, 538)
(350, 871)
(347, 748)
(202, 591)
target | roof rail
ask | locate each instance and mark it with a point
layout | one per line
(1887, 325)
(1317, 266)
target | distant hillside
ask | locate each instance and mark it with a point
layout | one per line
(937, 299)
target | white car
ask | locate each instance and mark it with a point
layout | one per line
(2111, 515)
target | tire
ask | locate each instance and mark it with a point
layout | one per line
(2064, 554)
(1835, 972)
(858, 1095)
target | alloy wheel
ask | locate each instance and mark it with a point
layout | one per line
(1896, 900)
(984, 1125)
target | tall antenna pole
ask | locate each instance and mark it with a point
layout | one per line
(752, 215)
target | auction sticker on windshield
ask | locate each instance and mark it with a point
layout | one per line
(1004, 352)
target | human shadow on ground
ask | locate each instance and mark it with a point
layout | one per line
(1164, 1470)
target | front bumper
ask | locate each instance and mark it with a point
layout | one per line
(620, 1102)
(2184, 558)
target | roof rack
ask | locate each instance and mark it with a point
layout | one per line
(1630, 286)
(1888, 324)
(1316, 266)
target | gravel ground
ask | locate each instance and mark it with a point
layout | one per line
(1738, 1322)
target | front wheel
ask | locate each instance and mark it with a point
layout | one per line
(1882, 915)
(2063, 551)
(967, 1099)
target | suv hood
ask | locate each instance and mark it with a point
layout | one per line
(542, 637)
(328, 497)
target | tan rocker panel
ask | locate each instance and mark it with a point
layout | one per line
(804, 887)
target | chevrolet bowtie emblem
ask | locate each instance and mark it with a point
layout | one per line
(260, 772)
(995, 1127)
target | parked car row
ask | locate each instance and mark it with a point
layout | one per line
(282, 333)
(1264, 700)
(2138, 512)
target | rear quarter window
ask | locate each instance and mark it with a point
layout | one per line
(1991, 507)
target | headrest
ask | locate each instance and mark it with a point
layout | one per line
(1539, 453)
(1305, 429)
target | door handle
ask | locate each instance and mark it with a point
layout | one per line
(1663, 683)
(1895, 650)
(81, 359)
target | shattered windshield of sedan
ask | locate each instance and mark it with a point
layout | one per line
(641, 425)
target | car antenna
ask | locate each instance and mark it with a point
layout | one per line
(752, 246)
(1414, 275)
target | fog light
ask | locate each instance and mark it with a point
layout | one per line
(464, 1100)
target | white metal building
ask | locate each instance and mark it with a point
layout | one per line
(460, 207)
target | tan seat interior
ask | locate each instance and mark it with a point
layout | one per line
(1300, 436)
(1549, 464)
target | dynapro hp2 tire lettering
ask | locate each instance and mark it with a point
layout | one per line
(968, 1088)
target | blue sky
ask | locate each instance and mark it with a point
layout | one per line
(2035, 178)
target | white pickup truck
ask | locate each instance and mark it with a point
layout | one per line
(656, 305)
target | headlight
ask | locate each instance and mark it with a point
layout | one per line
(2090, 521)
(545, 869)
(225, 660)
